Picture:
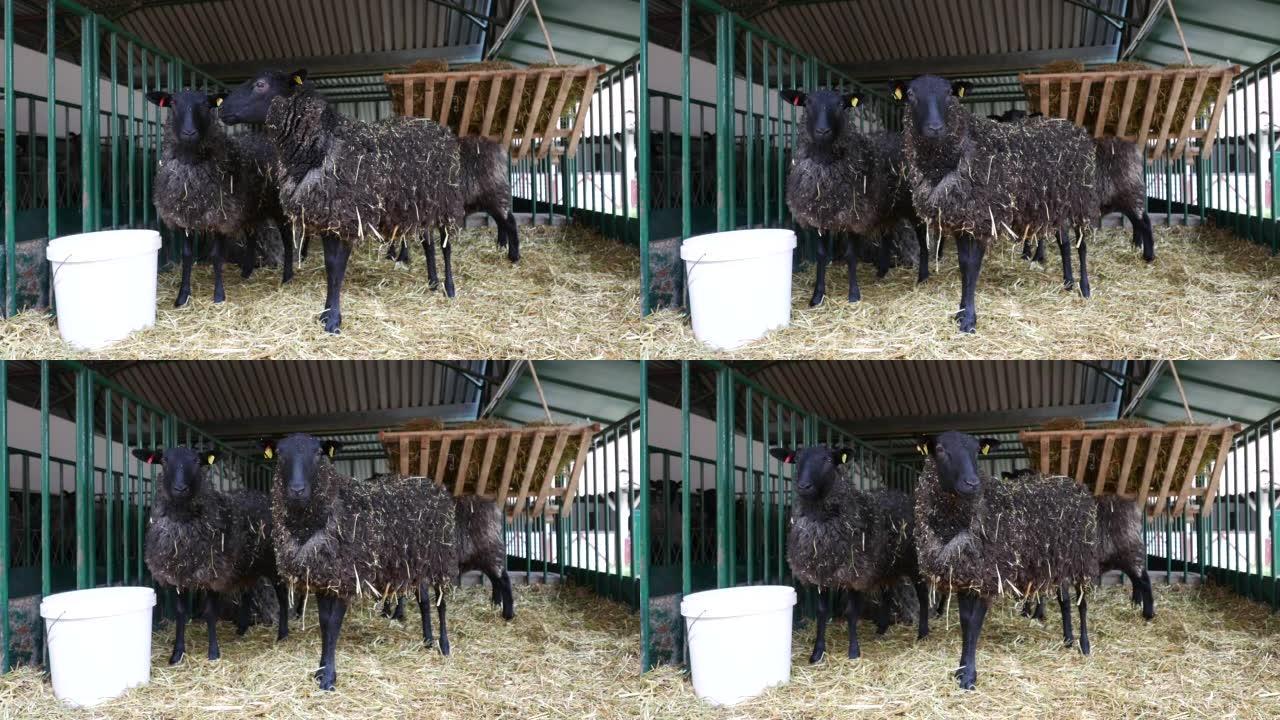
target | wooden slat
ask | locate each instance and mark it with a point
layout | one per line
(1044, 456)
(1122, 483)
(1153, 92)
(549, 132)
(442, 460)
(495, 90)
(1162, 500)
(1082, 101)
(517, 92)
(482, 483)
(1083, 462)
(1064, 105)
(579, 464)
(1189, 481)
(1126, 107)
(1219, 464)
(424, 460)
(1107, 446)
(539, 93)
(462, 465)
(549, 478)
(467, 105)
(1162, 140)
(527, 480)
(1148, 471)
(1064, 459)
(446, 100)
(1108, 88)
(588, 91)
(505, 481)
(404, 455)
(1189, 123)
(408, 98)
(1211, 133)
(1044, 98)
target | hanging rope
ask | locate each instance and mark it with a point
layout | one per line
(534, 374)
(1177, 26)
(1183, 393)
(552, 52)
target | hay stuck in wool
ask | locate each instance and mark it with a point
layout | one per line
(470, 484)
(1210, 654)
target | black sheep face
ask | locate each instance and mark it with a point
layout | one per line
(251, 99)
(183, 469)
(192, 113)
(955, 455)
(816, 468)
(299, 457)
(928, 99)
(826, 113)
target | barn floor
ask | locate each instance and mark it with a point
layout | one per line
(1207, 295)
(1207, 654)
(564, 299)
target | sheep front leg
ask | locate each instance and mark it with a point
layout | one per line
(1084, 619)
(1084, 266)
(336, 254)
(852, 248)
(969, 251)
(332, 609)
(250, 253)
(447, 251)
(188, 258)
(501, 582)
(922, 236)
(884, 256)
(820, 281)
(282, 606)
(424, 608)
(884, 615)
(973, 610)
(1064, 245)
(853, 611)
(922, 613)
(180, 628)
(243, 613)
(1142, 591)
(286, 240)
(211, 620)
(444, 631)
(1064, 604)
(216, 250)
(820, 637)
(429, 251)
(513, 238)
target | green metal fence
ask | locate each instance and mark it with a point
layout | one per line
(96, 178)
(79, 522)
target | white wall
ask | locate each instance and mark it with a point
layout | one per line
(24, 434)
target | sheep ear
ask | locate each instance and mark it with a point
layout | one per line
(853, 100)
(298, 77)
(215, 101)
(330, 448)
(210, 457)
(899, 90)
(986, 445)
(160, 98)
(961, 89)
(786, 455)
(794, 97)
(925, 444)
(150, 457)
(268, 448)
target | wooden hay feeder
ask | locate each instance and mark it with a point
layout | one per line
(1159, 467)
(526, 470)
(518, 107)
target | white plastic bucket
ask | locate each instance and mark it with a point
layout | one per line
(104, 284)
(739, 640)
(739, 284)
(99, 642)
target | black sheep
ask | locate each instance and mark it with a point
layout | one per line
(843, 538)
(202, 539)
(209, 182)
(844, 181)
(980, 537)
(341, 178)
(978, 180)
(341, 538)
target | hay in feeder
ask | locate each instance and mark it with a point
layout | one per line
(571, 654)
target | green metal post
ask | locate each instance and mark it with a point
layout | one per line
(750, 148)
(766, 477)
(644, 205)
(724, 465)
(46, 531)
(766, 141)
(10, 171)
(686, 534)
(750, 499)
(109, 487)
(126, 486)
(642, 522)
(4, 508)
(686, 150)
(724, 120)
(115, 139)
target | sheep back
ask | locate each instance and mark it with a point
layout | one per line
(485, 184)
(990, 179)
(1120, 534)
(1120, 182)
(378, 536)
(217, 541)
(862, 187)
(339, 175)
(1023, 536)
(478, 526)
(852, 539)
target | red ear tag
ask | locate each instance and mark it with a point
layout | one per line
(164, 102)
(790, 459)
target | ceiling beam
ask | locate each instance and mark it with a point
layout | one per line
(1001, 419)
(966, 64)
(347, 64)
(343, 422)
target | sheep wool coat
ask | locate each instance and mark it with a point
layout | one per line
(860, 186)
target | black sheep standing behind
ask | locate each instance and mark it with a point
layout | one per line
(845, 181)
(202, 539)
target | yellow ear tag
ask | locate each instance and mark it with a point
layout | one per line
(844, 458)
(297, 79)
(211, 458)
(986, 449)
(960, 92)
(853, 102)
(267, 452)
(219, 102)
(897, 93)
(922, 449)
(331, 450)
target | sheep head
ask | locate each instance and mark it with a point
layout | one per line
(826, 113)
(955, 455)
(183, 470)
(929, 100)
(817, 468)
(298, 457)
(251, 99)
(190, 113)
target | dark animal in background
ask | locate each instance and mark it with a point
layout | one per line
(978, 180)
(208, 182)
(202, 539)
(844, 181)
(341, 178)
(843, 538)
(1014, 116)
(980, 538)
(340, 538)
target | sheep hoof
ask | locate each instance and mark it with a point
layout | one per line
(1068, 642)
(246, 272)
(402, 265)
(181, 301)
(1085, 292)
(854, 653)
(816, 301)
(215, 654)
(428, 643)
(855, 297)
(1069, 285)
(880, 630)
(282, 635)
(508, 614)
(967, 678)
(922, 634)
(444, 648)
(816, 656)
(1084, 647)
(326, 678)
(332, 321)
(240, 631)
(219, 298)
(176, 657)
(450, 292)
(968, 322)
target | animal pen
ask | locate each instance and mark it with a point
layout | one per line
(84, 161)
(715, 138)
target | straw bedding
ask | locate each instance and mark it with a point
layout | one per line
(1210, 654)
